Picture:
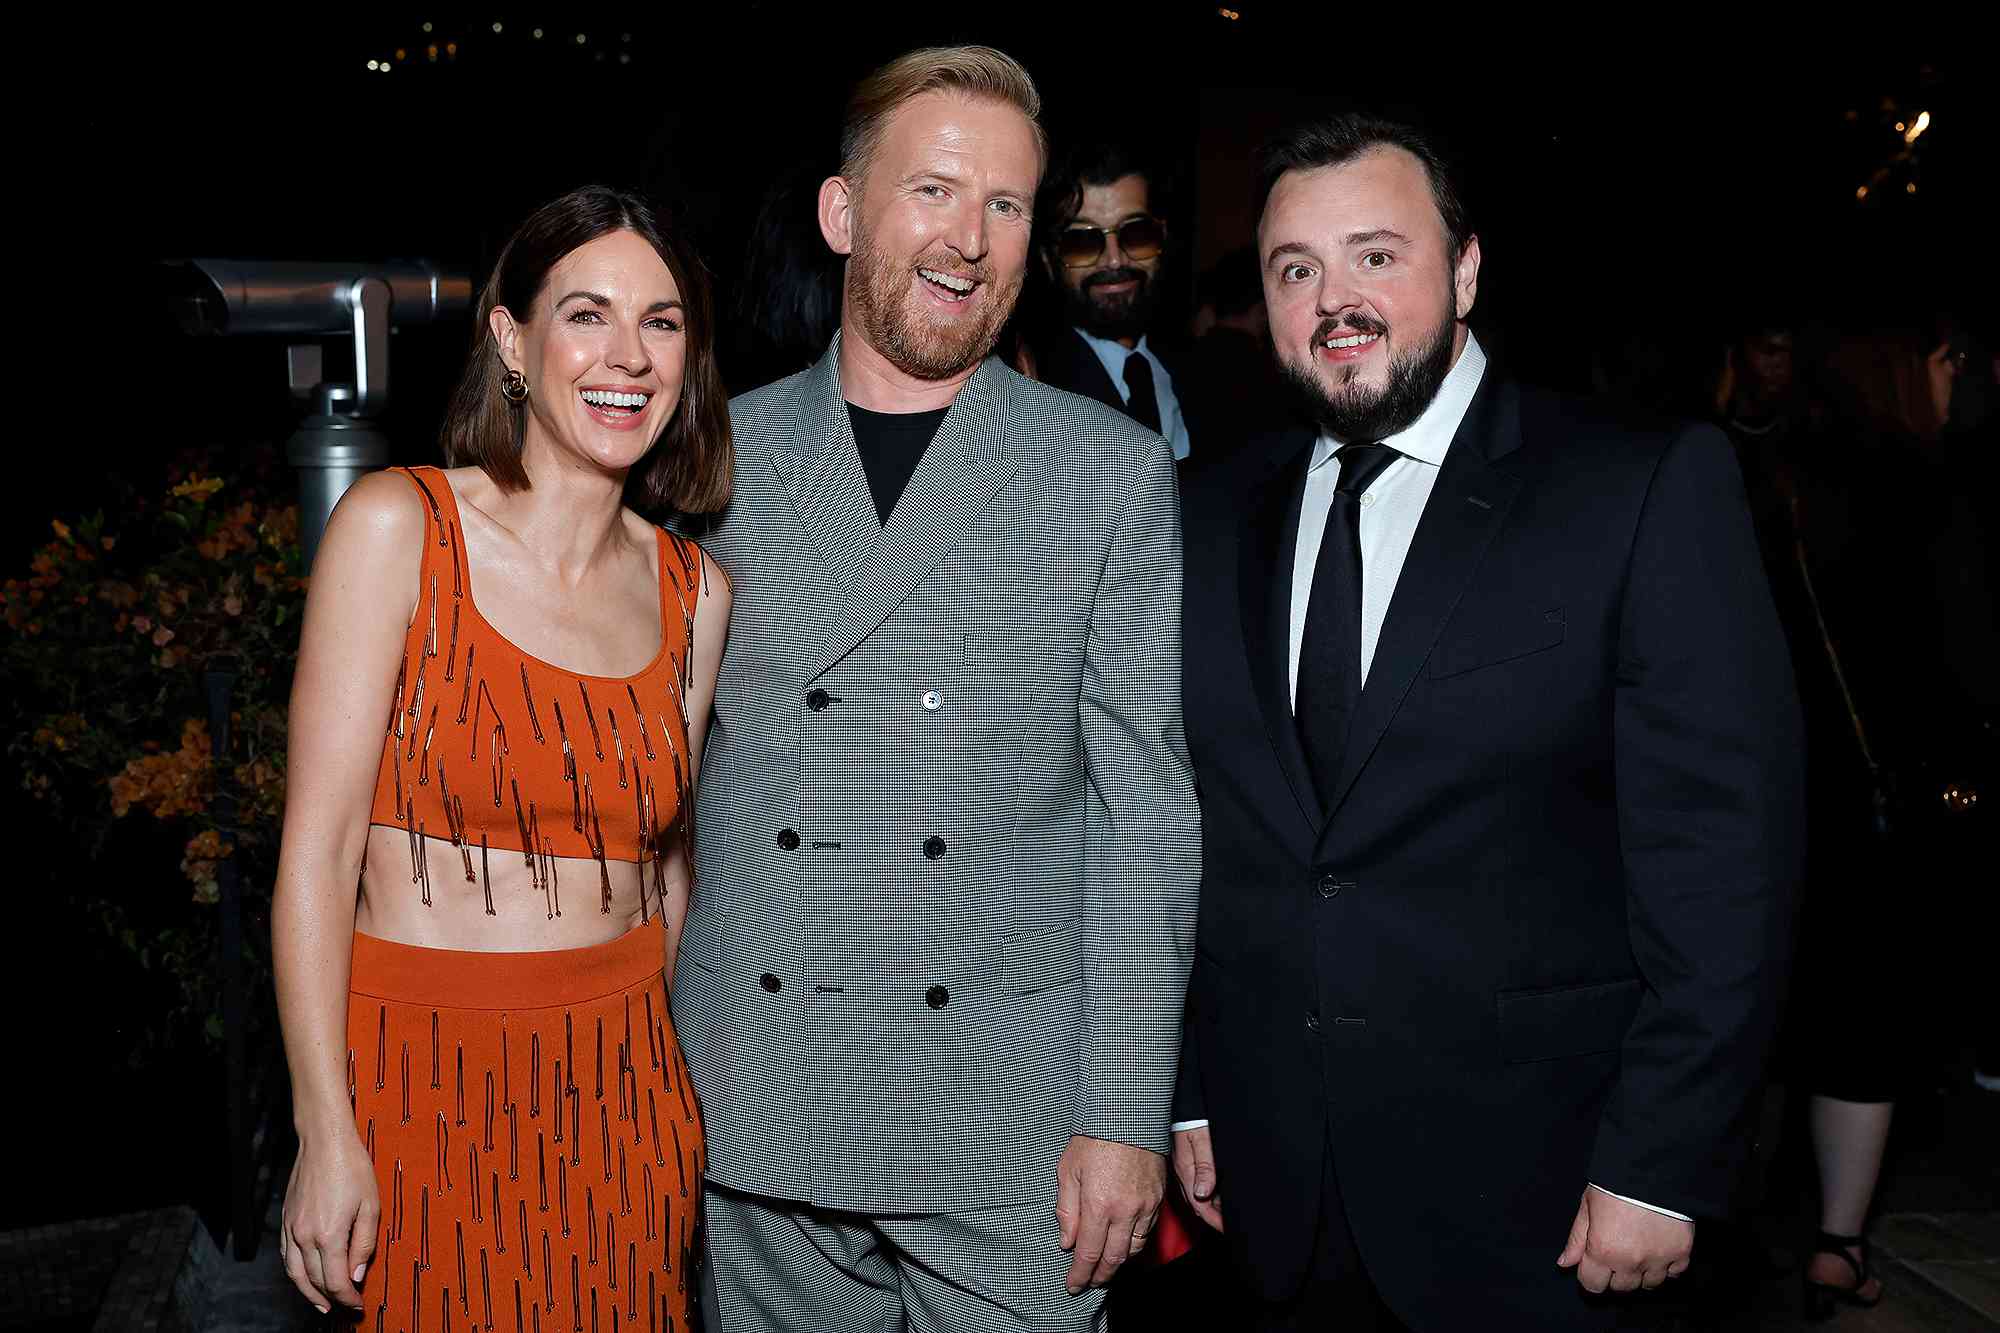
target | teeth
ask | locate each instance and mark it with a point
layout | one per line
(608, 398)
(1355, 340)
(957, 284)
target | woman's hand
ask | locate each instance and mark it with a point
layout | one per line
(332, 1214)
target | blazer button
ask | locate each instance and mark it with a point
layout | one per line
(788, 840)
(1329, 887)
(933, 701)
(933, 847)
(937, 997)
(771, 983)
(818, 700)
(1312, 1022)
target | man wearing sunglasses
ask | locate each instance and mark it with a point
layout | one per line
(1102, 248)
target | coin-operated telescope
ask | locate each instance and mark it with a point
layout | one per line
(338, 440)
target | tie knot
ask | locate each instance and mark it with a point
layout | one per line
(1360, 464)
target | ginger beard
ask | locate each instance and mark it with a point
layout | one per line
(928, 344)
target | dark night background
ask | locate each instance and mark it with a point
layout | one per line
(1635, 169)
(1673, 178)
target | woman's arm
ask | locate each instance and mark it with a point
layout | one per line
(358, 609)
(711, 631)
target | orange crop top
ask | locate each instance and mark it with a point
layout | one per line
(505, 754)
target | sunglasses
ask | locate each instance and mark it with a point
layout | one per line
(1080, 245)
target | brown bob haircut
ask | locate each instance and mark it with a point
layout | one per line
(691, 468)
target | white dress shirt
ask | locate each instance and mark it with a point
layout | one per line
(1390, 507)
(1172, 424)
(1390, 510)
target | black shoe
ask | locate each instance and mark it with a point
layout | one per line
(1822, 1298)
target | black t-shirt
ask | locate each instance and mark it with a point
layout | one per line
(891, 445)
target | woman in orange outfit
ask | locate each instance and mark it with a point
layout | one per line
(503, 683)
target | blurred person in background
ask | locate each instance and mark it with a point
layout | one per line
(1881, 581)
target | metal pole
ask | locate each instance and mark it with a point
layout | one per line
(219, 683)
(331, 451)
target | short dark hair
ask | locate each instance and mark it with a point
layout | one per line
(1093, 162)
(1336, 140)
(691, 468)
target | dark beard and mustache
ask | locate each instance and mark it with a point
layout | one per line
(1357, 414)
(878, 292)
(1115, 316)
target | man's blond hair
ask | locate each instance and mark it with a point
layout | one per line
(978, 72)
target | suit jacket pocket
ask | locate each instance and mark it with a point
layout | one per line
(1497, 641)
(1566, 1020)
(1044, 959)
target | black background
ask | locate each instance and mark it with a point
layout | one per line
(1665, 170)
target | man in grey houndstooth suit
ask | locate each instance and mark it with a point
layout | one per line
(931, 982)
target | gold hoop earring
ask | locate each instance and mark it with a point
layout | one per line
(514, 386)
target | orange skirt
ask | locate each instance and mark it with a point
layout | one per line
(538, 1170)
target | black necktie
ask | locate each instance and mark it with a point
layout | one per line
(1330, 649)
(1144, 404)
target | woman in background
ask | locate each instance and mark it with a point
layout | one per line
(1875, 573)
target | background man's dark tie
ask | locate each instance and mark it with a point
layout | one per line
(1144, 404)
(1330, 650)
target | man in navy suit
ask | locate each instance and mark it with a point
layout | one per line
(1499, 753)
(1103, 245)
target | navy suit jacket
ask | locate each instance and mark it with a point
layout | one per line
(1539, 939)
(1064, 359)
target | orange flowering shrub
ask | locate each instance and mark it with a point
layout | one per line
(114, 634)
(168, 783)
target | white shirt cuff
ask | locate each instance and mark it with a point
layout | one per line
(1638, 1203)
(1180, 1125)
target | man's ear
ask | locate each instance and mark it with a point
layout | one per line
(1465, 282)
(837, 198)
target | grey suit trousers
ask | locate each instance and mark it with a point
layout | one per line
(777, 1267)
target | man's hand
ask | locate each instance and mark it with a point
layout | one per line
(1107, 1199)
(1194, 1167)
(1619, 1246)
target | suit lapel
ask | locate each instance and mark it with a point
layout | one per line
(1266, 539)
(1091, 375)
(821, 471)
(1070, 364)
(966, 464)
(1467, 506)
